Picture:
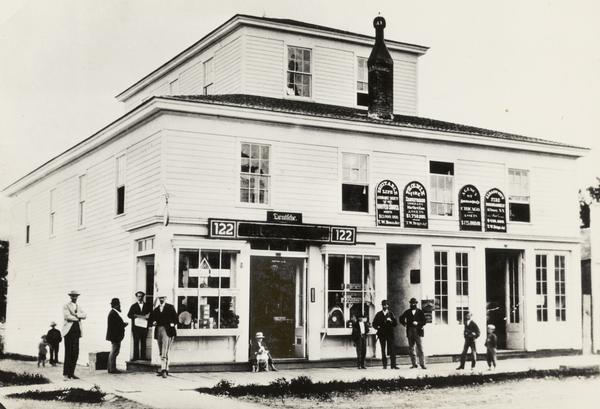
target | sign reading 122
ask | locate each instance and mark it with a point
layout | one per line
(222, 228)
(343, 234)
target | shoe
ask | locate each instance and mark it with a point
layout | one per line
(423, 367)
(385, 367)
(74, 377)
(164, 374)
(159, 373)
(363, 367)
(413, 366)
(395, 367)
(65, 378)
(460, 368)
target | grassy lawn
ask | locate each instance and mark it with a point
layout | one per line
(8, 378)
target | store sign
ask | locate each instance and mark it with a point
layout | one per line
(415, 206)
(469, 208)
(284, 217)
(387, 204)
(242, 229)
(495, 211)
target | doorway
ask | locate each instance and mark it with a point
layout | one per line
(145, 282)
(277, 304)
(504, 296)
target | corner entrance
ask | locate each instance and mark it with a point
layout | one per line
(504, 296)
(277, 307)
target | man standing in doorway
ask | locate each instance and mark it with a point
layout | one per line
(414, 320)
(471, 333)
(384, 322)
(115, 332)
(72, 331)
(139, 313)
(164, 318)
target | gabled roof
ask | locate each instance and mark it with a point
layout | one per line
(354, 114)
(265, 22)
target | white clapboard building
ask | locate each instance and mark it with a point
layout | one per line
(275, 177)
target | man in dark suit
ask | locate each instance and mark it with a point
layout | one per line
(471, 333)
(384, 322)
(115, 332)
(360, 333)
(139, 312)
(414, 320)
(164, 317)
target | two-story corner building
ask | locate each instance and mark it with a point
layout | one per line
(260, 178)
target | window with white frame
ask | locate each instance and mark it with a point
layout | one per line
(209, 76)
(299, 76)
(120, 194)
(350, 288)
(440, 268)
(441, 176)
(355, 182)
(560, 295)
(82, 199)
(27, 223)
(206, 288)
(462, 286)
(255, 177)
(52, 212)
(362, 82)
(518, 195)
(541, 286)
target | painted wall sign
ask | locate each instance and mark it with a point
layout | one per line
(415, 206)
(469, 208)
(284, 217)
(387, 204)
(495, 211)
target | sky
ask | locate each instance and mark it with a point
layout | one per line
(527, 67)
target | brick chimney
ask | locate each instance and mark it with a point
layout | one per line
(381, 76)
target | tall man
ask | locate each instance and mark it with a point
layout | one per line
(164, 318)
(139, 313)
(471, 333)
(384, 322)
(115, 332)
(414, 320)
(72, 331)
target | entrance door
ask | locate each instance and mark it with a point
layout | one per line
(277, 302)
(515, 336)
(145, 282)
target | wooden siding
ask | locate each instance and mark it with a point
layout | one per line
(334, 79)
(228, 68)
(263, 66)
(405, 87)
(191, 80)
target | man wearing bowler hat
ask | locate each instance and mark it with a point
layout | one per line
(72, 331)
(414, 320)
(115, 332)
(139, 312)
(384, 322)
(164, 317)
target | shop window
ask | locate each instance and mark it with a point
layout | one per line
(206, 289)
(120, 196)
(541, 286)
(441, 176)
(299, 75)
(209, 77)
(518, 195)
(440, 311)
(462, 286)
(255, 173)
(355, 182)
(350, 288)
(559, 288)
(362, 82)
(82, 199)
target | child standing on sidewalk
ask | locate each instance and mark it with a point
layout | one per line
(42, 351)
(491, 343)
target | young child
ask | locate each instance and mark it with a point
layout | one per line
(42, 351)
(360, 334)
(491, 342)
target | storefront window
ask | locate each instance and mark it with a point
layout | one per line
(206, 289)
(350, 288)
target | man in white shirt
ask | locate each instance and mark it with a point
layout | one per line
(72, 331)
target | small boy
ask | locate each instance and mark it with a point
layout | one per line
(42, 351)
(360, 334)
(491, 343)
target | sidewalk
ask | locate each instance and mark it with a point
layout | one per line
(177, 391)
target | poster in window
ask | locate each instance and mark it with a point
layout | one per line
(469, 208)
(495, 211)
(415, 206)
(387, 204)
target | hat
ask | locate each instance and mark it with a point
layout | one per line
(161, 294)
(491, 326)
(140, 292)
(73, 292)
(259, 335)
(413, 301)
(385, 302)
(115, 301)
(53, 324)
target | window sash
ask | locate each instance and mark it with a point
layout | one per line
(440, 311)
(442, 195)
(255, 180)
(560, 288)
(121, 171)
(541, 286)
(362, 75)
(299, 71)
(355, 168)
(518, 185)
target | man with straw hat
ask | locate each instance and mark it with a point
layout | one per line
(164, 317)
(72, 330)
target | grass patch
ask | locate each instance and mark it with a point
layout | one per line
(18, 357)
(12, 378)
(75, 395)
(303, 386)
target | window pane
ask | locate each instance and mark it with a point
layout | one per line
(188, 259)
(335, 273)
(355, 198)
(335, 310)
(355, 266)
(229, 319)
(189, 304)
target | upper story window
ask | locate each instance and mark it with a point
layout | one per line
(362, 82)
(120, 205)
(299, 74)
(27, 223)
(518, 195)
(355, 182)
(209, 77)
(255, 173)
(52, 211)
(442, 188)
(82, 199)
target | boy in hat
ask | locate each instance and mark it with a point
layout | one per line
(53, 338)
(139, 313)
(42, 351)
(262, 359)
(360, 333)
(491, 343)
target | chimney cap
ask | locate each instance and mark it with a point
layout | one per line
(379, 22)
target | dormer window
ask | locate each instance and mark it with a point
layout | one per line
(299, 77)
(362, 82)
